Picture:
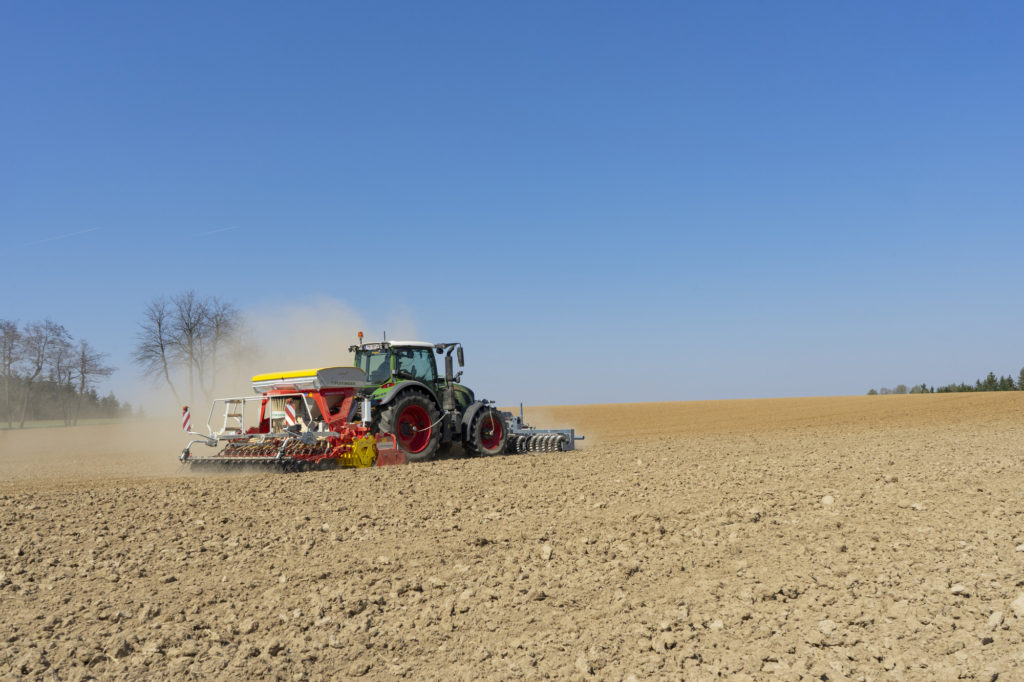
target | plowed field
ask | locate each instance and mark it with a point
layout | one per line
(868, 538)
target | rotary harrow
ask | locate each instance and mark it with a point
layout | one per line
(306, 420)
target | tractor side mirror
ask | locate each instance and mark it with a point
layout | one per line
(462, 359)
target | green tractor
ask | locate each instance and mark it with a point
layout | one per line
(427, 412)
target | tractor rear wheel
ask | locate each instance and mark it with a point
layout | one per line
(488, 433)
(412, 418)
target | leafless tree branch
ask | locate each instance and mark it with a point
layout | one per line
(188, 333)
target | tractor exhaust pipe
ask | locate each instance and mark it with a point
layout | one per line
(448, 397)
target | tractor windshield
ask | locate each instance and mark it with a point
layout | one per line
(417, 363)
(376, 364)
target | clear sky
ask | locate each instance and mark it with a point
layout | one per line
(604, 201)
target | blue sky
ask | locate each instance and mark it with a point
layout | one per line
(604, 201)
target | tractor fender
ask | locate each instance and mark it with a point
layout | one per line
(401, 386)
(467, 417)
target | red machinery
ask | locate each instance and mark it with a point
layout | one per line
(309, 419)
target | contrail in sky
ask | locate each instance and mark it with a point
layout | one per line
(223, 229)
(62, 236)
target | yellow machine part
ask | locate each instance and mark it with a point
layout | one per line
(274, 376)
(363, 453)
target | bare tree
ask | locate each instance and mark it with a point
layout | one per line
(222, 325)
(191, 321)
(60, 363)
(154, 350)
(188, 334)
(10, 355)
(37, 343)
(89, 366)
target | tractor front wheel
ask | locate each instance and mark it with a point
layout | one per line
(413, 419)
(488, 433)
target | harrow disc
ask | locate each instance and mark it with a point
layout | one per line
(538, 442)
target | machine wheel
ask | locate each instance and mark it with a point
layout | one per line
(488, 433)
(412, 418)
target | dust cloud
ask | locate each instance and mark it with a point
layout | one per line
(284, 337)
(141, 448)
(278, 336)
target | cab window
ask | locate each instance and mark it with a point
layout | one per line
(375, 364)
(416, 362)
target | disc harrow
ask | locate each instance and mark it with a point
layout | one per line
(524, 438)
(544, 442)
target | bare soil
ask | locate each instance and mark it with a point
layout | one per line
(869, 538)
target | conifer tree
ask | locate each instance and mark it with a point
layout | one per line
(991, 383)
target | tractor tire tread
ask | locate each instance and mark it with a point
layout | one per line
(473, 445)
(389, 417)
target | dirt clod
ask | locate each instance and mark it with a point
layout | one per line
(1017, 606)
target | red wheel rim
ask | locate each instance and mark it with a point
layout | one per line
(490, 432)
(414, 429)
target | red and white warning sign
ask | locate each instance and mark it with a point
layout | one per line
(186, 419)
(289, 413)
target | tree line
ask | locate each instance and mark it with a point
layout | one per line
(47, 374)
(989, 383)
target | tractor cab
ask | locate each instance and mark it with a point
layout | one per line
(391, 362)
(399, 360)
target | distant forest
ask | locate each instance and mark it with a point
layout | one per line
(989, 383)
(45, 374)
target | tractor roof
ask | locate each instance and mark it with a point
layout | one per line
(414, 344)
